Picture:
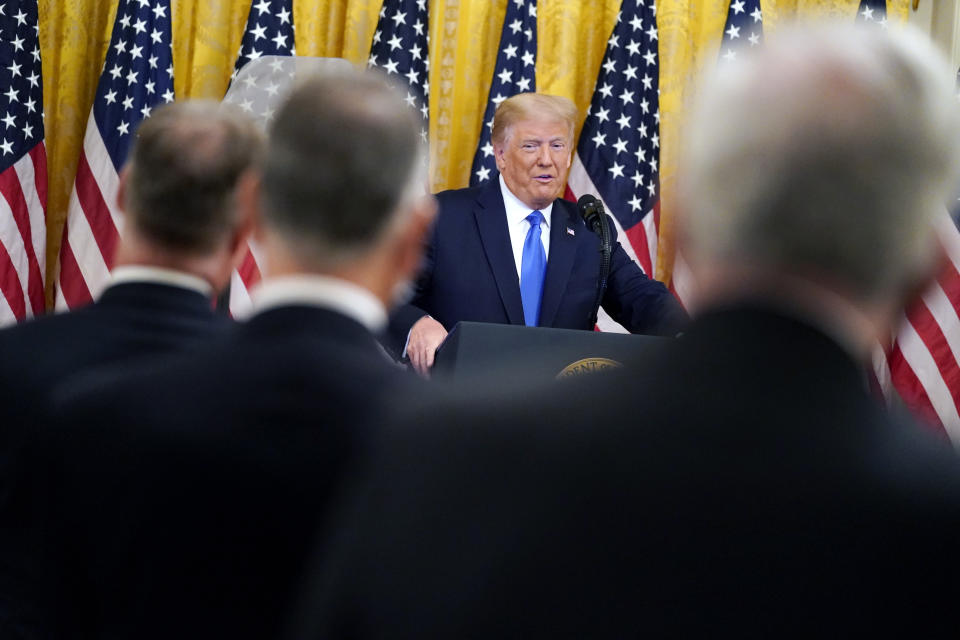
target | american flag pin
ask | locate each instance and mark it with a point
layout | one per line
(571, 231)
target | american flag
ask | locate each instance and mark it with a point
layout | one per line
(923, 362)
(618, 154)
(23, 165)
(401, 47)
(515, 72)
(269, 32)
(744, 25)
(137, 76)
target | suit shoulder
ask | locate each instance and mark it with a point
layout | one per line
(569, 209)
(50, 338)
(458, 197)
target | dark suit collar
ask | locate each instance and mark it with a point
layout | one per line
(296, 321)
(154, 296)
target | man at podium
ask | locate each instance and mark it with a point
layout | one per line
(511, 251)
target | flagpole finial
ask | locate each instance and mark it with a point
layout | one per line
(916, 4)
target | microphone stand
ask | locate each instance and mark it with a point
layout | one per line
(602, 229)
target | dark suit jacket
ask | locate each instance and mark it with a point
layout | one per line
(469, 273)
(184, 501)
(749, 488)
(130, 322)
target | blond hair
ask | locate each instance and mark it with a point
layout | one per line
(528, 106)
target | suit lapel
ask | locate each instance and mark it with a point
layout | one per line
(563, 249)
(491, 219)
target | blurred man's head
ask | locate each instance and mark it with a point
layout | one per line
(532, 142)
(823, 156)
(343, 182)
(178, 189)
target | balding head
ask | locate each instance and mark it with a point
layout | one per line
(826, 152)
(182, 174)
(344, 159)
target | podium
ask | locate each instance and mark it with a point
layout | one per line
(514, 351)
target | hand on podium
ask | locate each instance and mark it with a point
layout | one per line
(425, 336)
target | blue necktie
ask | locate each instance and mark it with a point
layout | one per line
(532, 267)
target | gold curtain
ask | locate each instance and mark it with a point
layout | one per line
(572, 36)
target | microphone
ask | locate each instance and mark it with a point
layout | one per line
(591, 210)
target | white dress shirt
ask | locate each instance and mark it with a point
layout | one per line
(335, 294)
(158, 275)
(518, 224)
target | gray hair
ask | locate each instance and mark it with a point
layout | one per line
(343, 161)
(830, 150)
(182, 174)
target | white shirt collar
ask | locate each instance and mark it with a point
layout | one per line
(517, 211)
(321, 291)
(158, 275)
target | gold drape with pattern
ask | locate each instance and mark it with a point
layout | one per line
(74, 35)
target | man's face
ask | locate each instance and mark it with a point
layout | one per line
(533, 160)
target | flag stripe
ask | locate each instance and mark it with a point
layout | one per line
(32, 174)
(39, 156)
(249, 271)
(90, 265)
(638, 234)
(910, 389)
(931, 334)
(14, 244)
(87, 255)
(73, 291)
(6, 313)
(13, 195)
(909, 386)
(945, 319)
(924, 369)
(10, 285)
(96, 211)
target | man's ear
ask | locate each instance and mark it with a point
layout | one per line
(498, 152)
